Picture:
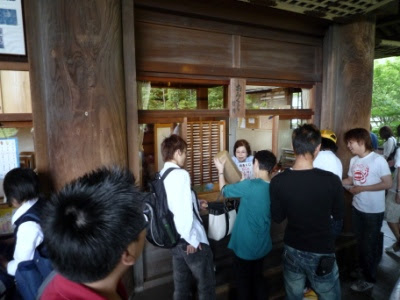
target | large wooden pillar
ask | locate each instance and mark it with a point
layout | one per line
(77, 83)
(347, 85)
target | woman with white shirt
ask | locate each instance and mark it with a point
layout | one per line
(389, 145)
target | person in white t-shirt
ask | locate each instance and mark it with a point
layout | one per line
(326, 158)
(369, 175)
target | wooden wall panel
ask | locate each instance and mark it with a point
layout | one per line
(15, 92)
(280, 60)
(204, 51)
(166, 46)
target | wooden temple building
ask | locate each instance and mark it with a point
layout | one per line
(90, 65)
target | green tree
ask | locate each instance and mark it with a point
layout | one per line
(386, 93)
(216, 97)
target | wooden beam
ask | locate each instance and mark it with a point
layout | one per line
(284, 114)
(14, 66)
(16, 117)
(133, 280)
(16, 124)
(171, 116)
(159, 116)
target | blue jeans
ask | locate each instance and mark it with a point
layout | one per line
(199, 265)
(301, 265)
(367, 228)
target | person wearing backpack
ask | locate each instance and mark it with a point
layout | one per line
(389, 146)
(192, 255)
(21, 189)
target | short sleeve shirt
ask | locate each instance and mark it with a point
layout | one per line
(365, 171)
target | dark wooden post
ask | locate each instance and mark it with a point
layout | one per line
(347, 86)
(77, 83)
(202, 98)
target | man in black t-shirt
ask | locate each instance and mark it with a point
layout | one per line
(312, 201)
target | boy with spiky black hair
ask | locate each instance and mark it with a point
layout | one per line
(94, 232)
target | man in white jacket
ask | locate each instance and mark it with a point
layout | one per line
(192, 256)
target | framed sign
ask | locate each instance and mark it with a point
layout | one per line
(12, 39)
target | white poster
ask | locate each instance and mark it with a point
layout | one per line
(11, 28)
(247, 169)
(9, 158)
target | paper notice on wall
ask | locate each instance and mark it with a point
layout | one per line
(12, 39)
(247, 169)
(9, 158)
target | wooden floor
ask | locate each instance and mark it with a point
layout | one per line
(388, 274)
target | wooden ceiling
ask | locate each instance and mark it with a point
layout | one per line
(342, 11)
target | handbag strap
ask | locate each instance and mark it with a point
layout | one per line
(198, 207)
(226, 211)
(221, 193)
(226, 223)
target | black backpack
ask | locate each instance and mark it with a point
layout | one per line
(161, 231)
(391, 157)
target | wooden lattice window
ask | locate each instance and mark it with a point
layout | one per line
(205, 139)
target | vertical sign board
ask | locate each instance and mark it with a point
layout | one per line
(237, 94)
(9, 158)
(11, 28)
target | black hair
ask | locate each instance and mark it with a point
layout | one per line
(359, 135)
(398, 130)
(327, 144)
(266, 160)
(170, 145)
(305, 139)
(91, 222)
(21, 184)
(385, 132)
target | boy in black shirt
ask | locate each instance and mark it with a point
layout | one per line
(308, 198)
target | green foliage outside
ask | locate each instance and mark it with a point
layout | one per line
(172, 99)
(216, 98)
(253, 101)
(386, 94)
(167, 98)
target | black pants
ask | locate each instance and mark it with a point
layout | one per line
(249, 279)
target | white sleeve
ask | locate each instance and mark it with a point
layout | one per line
(397, 158)
(383, 167)
(388, 147)
(179, 197)
(29, 236)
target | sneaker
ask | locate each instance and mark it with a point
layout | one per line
(309, 294)
(361, 286)
(393, 250)
(357, 274)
